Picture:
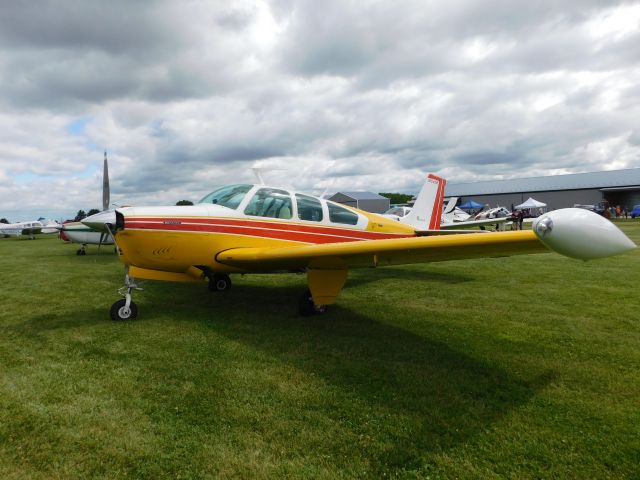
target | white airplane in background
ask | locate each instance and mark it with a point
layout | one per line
(77, 232)
(452, 217)
(240, 229)
(29, 228)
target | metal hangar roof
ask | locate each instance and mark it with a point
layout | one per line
(577, 181)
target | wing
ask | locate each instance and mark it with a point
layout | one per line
(383, 252)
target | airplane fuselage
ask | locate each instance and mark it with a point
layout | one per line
(176, 238)
(77, 232)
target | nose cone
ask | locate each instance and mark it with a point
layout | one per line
(98, 221)
(582, 234)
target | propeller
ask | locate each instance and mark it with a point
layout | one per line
(106, 194)
(105, 184)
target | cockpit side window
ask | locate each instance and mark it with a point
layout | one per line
(229, 196)
(339, 214)
(270, 202)
(309, 208)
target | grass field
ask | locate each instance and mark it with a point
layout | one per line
(524, 367)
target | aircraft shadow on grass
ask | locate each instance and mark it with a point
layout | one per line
(449, 396)
(34, 327)
(419, 274)
(436, 395)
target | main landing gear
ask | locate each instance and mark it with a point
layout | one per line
(125, 309)
(306, 306)
(219, 282)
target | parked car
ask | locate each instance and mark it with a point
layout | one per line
(635, 212)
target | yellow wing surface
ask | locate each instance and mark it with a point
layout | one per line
(383, 252)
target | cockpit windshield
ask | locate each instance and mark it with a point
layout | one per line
(229, 196)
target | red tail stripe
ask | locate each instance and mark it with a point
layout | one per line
(436, 211)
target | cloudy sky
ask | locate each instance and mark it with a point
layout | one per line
(351, 95)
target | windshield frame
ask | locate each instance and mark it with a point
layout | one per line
(232, 200)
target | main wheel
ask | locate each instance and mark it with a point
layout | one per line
(219, 283)
(119, 312)
(306, 307)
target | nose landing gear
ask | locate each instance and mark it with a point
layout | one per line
(125, 308)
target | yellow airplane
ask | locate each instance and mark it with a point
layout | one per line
(256, 229)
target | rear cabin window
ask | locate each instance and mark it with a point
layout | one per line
(339, 214)
(270, 202)
(309, 208)
(229, 196)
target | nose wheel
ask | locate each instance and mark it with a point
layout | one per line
(125, 308)
(121, 311)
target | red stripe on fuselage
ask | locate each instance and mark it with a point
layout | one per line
(282, 231)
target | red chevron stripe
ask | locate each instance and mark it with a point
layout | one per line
(291, 232)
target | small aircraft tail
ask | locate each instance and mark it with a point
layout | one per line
(426, 213)
(448, 212)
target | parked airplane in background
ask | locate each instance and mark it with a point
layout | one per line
(255, 228)
(77, 232)
(29, 228)
(452, 218)
(493, 213)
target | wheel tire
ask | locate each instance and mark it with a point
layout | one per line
(219, 283)
(118, 312)
(307, 308)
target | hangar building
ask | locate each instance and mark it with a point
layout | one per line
(367, 201)
(617, 187)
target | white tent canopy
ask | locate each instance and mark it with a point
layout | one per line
(530, 203)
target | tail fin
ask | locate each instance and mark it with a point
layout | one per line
(426, 213)
(448, 212)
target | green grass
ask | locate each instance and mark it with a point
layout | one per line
(523, 367)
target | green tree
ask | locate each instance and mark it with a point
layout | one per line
(4, 220)
(184, 202)
(397, 197)
(93, 211)
(80, 215)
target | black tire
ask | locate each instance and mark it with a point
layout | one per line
(307, 308)
(117, 311)
(219, 283)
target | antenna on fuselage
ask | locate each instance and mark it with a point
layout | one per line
(257, 171)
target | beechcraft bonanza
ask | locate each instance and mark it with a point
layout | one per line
(258, 229)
